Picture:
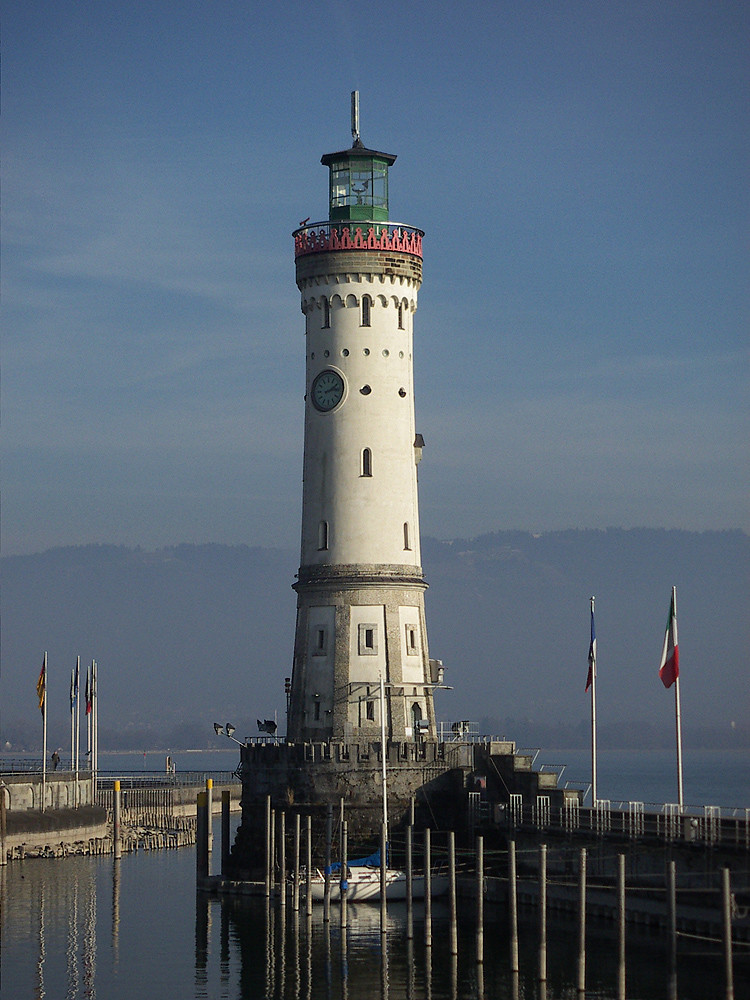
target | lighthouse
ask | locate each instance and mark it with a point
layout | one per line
(361, 656)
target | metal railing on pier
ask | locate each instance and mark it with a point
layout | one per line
(634, 820)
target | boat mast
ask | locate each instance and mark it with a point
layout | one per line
(383, 756)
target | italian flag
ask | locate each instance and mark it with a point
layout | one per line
(669, 669)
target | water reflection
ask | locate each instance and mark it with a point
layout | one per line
(85, 926)
(56, 921)
(115, 914)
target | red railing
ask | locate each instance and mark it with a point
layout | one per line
(324, 237)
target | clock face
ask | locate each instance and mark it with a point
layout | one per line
(327, 390)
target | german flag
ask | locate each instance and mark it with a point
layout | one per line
(41, 685)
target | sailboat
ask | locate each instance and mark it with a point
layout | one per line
(361, 882)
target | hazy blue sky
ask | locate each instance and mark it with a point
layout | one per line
(580, 170)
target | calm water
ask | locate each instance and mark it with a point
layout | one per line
(87, 927)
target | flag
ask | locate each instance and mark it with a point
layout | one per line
(592, 651)
(669, 669)
(41, 685)
(74, 688)
(88, 692)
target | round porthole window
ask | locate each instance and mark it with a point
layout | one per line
(402, 392)
(366, 390)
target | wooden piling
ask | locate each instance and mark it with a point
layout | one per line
(582, 921)
(308, 867)
(201, 837)
(543, 913)
(672, 929)
(726, 921)
(116, 820)
(3, 826)
(273, 850)
(282, 857)
(295, 888)
(453, 926)
(480, 899)
(383, 878)
(513, 906)
(343, 880)
(327, 886)
(210, 807)
(268, 846)
(225, 807)
(621, 927)
(409, 883)
(427, 890)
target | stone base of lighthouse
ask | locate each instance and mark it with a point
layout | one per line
(308, 778)
(454, 786)
(356, 624)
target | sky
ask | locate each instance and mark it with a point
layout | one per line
(579, 169)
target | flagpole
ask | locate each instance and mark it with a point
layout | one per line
(89, 737)
(72, 723)
(594, 798)
(678, 728)
(78, 726)
(95, 714)
(44, 735)
(677, 716)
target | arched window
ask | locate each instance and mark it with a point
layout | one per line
(326, 314)
(401, 315)
(366, 462)
(322, 535)
(407, 539)
(366, 304)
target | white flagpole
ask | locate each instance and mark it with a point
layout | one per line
(678, 717)
(90, 728)
(44, 736)
(678, 727)
(78, 726)
(72, 722)
(594, 798)
(95, 713)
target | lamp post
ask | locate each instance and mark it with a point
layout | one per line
(227, 731)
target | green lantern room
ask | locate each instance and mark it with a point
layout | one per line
(358, 184)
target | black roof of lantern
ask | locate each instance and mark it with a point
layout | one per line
(357, 151)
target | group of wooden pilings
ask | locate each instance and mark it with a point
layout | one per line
(125, 838)
(204, 837)
(277, 883)
(620, 887)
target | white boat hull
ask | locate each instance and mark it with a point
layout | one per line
(363, 885)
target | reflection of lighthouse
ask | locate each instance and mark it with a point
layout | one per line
(360, 589)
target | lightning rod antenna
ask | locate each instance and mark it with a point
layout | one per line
(355, 116)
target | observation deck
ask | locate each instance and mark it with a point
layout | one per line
(328, 237)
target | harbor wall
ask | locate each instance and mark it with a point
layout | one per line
(61, 790)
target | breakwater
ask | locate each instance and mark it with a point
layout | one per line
(156, 812)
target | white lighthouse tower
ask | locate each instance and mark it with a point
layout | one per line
(360, 588)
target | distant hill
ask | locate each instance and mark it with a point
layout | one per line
(192, 634)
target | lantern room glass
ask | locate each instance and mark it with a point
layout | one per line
(359, 189)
